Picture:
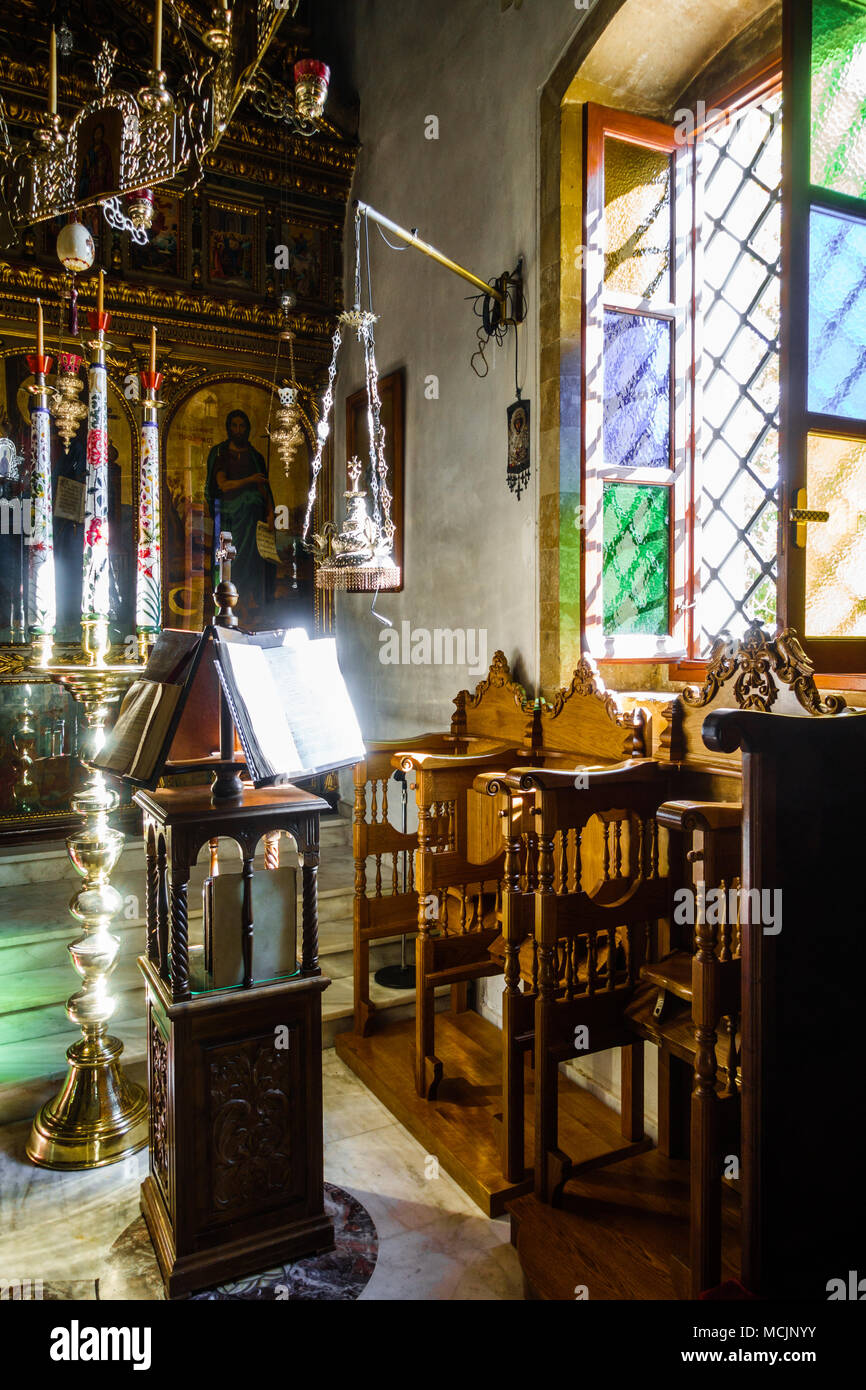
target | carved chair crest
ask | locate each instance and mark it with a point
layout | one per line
(759, 664)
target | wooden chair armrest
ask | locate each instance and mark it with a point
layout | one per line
(630, 772)
(495, 783)
(700, 815)
(397, 745)
(494, 755)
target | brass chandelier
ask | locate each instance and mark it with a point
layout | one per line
(157, 135)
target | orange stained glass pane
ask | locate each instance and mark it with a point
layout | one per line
(637, 220)
(836, 549)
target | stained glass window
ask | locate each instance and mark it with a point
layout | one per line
(637, 220)
(837, 315)
(838, 156)
(836, 549)
(741, 161)
(637, 390)
(636, 559)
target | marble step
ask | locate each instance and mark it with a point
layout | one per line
(50, 862)
(36, 929)
(36, 976)
(33, 914)
(32, 1066)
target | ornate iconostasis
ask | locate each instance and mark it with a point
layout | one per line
(227, 270)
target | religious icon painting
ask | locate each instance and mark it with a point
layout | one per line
(97, 154)
(232, 246)
(302, 258)
(518, 446)
(164, 252)
(222, 475)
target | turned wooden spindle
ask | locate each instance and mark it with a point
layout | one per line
(359, 820)
(705, 1254)
(272, 851)
(151, 892)
(179, 940)
(247, 920)
(162, 907)
(310, 901)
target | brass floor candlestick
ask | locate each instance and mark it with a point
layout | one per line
(98, 1116)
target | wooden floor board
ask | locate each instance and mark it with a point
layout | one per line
(460, 1126)
(617, 1234)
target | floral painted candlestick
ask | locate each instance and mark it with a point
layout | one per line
(148, 597)
(41, 601)
(94, 588)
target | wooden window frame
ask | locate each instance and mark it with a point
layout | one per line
(839, 662)
(844, 656)
(599, 123)
(759, 82)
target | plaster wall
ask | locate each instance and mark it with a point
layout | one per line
(471, 552)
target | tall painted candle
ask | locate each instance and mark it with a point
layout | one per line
(148, 592)
(94, 591)
(52, 73)
(41, 598)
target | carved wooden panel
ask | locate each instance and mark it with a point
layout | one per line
(255, 1124)
(759, 673)
(585, 719)
(159, 1109)
(499, 708)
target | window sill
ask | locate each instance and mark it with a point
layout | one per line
(694, 671)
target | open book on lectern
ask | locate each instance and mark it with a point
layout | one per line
(289, 704)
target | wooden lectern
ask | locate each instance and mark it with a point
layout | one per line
(236, 1181)
(235, 1074)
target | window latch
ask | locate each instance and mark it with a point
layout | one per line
(802, 515)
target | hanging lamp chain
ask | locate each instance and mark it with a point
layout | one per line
(322, 430)
(363, 323)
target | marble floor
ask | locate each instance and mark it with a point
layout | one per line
(36, 977)
(77, 1232)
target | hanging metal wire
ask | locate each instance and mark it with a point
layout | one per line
(359, 555)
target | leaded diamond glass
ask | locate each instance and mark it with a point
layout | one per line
(635, 587)
(637, 390)
(839, 96)
(742, 165)
(637, 220)
(837, 315)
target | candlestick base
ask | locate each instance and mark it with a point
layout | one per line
(94, 639)
(155, 96)
(42, 650)
(98, 1116)
(49, 134)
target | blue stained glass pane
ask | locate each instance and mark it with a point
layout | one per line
(837, 315)
(637, 391)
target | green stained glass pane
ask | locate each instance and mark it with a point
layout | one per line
(637, 220)
(636, 563)
(839, 96)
